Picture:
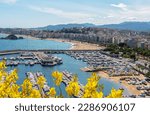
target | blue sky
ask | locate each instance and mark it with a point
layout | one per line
(35, 13)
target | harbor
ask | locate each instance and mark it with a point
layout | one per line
(32, 58)
(116, 68)
(67, 77)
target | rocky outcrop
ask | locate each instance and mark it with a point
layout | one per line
(12, 37)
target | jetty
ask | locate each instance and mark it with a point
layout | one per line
(33, 77)
(67, 77)
(32, 58)
(95, 69)
(47, 60)
(8, 52)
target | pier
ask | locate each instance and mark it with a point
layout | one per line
(95, 69)
(8, 52)
(67, 77)
(32, 58)
(33, 77)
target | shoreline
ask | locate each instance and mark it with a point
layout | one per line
(77, 45)
(131, 88)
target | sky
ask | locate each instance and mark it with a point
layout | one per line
(38, 13)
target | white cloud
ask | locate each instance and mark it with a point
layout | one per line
(61, 13)
(8, 1)
(134, 13)
(121, 6)
(99, 15)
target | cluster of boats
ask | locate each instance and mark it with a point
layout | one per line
(141, 84)
(26, 63)
(29, 58)
(33, 78)
(98, 60)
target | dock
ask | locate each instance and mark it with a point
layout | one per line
(67, 77)
(47, 60)
(95, 69)
(32, 58)
(33, 77)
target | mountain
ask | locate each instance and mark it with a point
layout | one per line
(135, 26)
(61, 26)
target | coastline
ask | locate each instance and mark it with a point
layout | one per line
(76, 45)
(131, 88)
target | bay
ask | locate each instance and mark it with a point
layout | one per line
(69, 63)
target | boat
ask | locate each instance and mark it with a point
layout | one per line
(31, 63)
(49, 64)
(26, 63)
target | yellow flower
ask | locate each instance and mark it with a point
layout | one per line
(26, 88)
(91, 88)
(97, 94)
(35, 94)
(52, 92)
(3, 74)
(13, 91)
(56, 74)
(12, 77)
(2, 64)
(115, 93)
(73, 87)
(40, 81)
(58, 77)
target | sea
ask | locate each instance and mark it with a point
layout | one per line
(69, 64)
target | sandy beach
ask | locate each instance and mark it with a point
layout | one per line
(77, 45)
(131, 88)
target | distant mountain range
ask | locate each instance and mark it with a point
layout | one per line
(135, 26)
(61, 26)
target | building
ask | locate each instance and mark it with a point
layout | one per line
(132, 43)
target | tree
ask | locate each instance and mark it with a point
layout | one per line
(147, 74)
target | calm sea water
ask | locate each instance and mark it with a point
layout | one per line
(69, 64)
(28, 44)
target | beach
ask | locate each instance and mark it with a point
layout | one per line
(77, 45)
(131, 88)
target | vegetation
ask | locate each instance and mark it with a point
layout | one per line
(127, 52)
(12, 37)
(148, 74)
(10, 89)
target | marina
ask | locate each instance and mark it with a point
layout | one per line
(81, 62)
(32, 58)
(97, 61)
(67, 77)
